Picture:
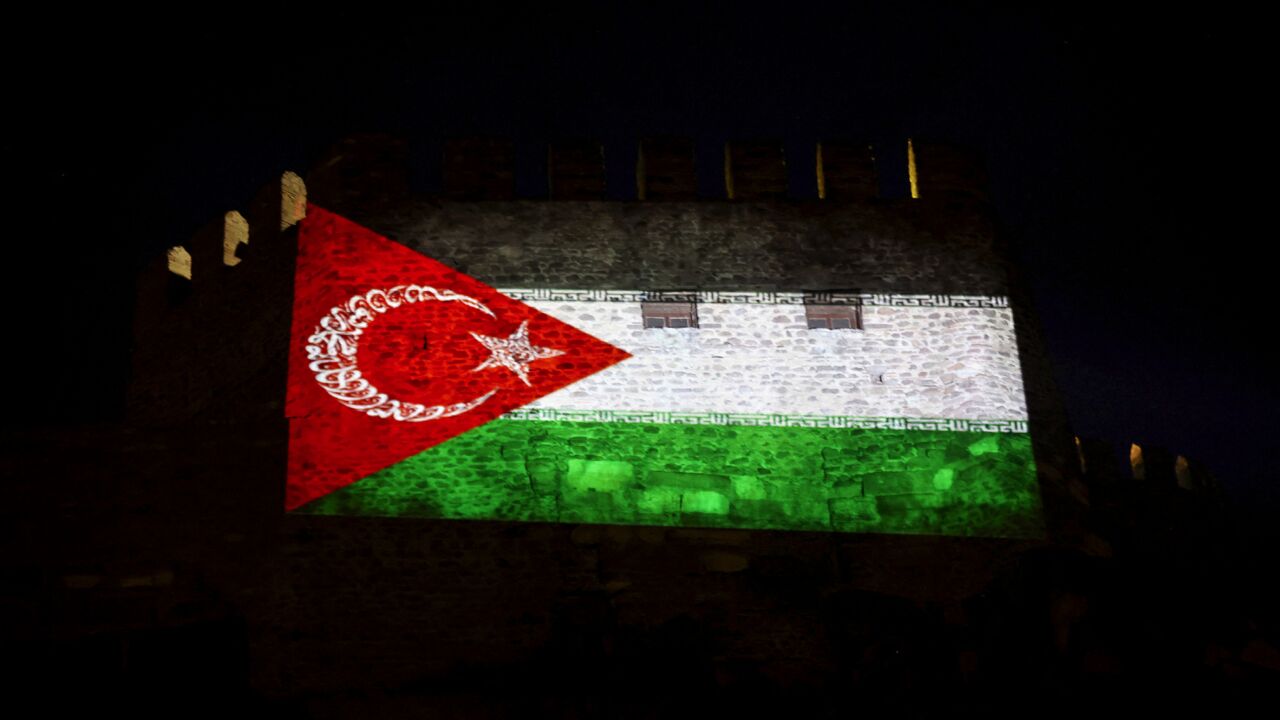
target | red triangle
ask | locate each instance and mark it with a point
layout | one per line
(417, 350)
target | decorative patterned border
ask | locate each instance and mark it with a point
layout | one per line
(769, 420)
(760, 298)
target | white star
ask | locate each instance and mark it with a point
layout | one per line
(513, 353)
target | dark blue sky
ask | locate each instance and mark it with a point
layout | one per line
(1123, 148)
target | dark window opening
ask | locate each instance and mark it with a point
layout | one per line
(669, 314)
(833, 317)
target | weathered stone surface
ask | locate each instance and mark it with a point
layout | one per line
(665, 169)
(854, 513)
(575, 170)
(946, 362)
(847, 170)
(479, 168)
(757, 170)
(692, 481)
(891, 483)
(882, 247)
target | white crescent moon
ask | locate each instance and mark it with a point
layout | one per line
(331, 353)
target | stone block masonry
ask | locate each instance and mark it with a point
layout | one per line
(897, 247)
(718, 476)
(911, 362)
(339, 602)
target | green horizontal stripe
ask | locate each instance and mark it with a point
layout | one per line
(779, 478)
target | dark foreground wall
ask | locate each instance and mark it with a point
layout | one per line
(149, 570)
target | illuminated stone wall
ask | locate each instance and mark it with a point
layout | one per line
(723, 418)
(871, 247)
(373, 602)
(920, 362)
(763, 478)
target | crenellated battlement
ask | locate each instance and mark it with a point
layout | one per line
(665, 169)
(652, 169)
(210, 312)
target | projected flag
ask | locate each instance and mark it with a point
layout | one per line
(416, 390)
(393, 353)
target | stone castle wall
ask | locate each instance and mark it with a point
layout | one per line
(339, 602)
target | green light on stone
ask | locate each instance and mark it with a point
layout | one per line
(769, 478)
(984, 446)
(602, 475)
(659, 501)
(748, 487)
(705, 501)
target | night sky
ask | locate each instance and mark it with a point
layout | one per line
(1123, 149)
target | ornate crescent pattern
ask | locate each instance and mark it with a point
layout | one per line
(331, 353)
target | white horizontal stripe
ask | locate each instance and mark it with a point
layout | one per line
(749, 358)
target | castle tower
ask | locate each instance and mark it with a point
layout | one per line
(846, 390)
